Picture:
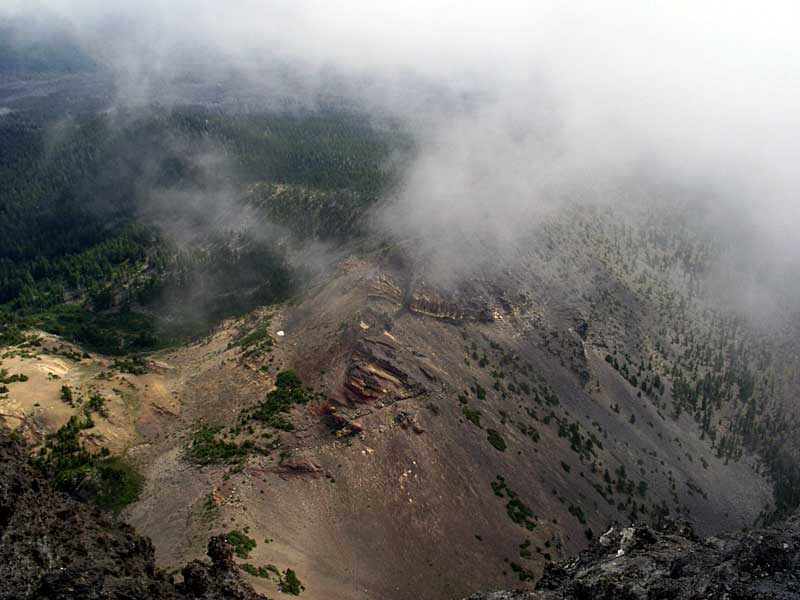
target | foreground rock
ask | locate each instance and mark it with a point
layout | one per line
(54, 548)
(638, 563)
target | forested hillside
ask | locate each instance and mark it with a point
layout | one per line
(96, 224)
(29, 50)
(405, 337)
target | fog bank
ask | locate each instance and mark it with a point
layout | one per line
(515, 106)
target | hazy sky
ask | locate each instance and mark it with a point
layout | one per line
(564, 98)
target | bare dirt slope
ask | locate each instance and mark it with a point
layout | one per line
(457, 440)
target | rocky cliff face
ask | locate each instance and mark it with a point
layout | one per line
(639, 563)
(54, 548)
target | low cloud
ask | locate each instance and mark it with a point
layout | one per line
(515, 106)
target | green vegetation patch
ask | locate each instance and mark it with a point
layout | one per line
(577, 512)
(496, 440)
(110, 481)
(5, 378)
(66, 395)
(135, 365)
(473, 416)
(262, 572)
(241, 542)
(96, 275)
(117, 483)
(523, 573)
(11, 335)
(290, 583)
(271, 411)
(206, 448)
(256, 342)
(113, 333)
(97, 404)
(517, 510)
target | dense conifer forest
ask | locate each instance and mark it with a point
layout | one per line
(88, 202)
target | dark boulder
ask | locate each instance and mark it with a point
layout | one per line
(639, 563)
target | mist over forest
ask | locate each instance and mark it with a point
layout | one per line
(399, 300)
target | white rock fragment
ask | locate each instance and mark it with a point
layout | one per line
(605, 539)
(281, 333)
(627, 537)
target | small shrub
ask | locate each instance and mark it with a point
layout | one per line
(288, 392)
(262, 572)
(473, 416)
(577, 512)
(66, 395)
(496, 440)
(242, 544)
(117, 483)
(135, 365)
(523, 573)
(290, 584)
(6, 378)
(97, 404)
(207, 449)
(519, 512)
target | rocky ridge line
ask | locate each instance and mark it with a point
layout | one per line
(640, 563)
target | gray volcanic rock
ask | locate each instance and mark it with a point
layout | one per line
(638, 563)
(55, 548)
